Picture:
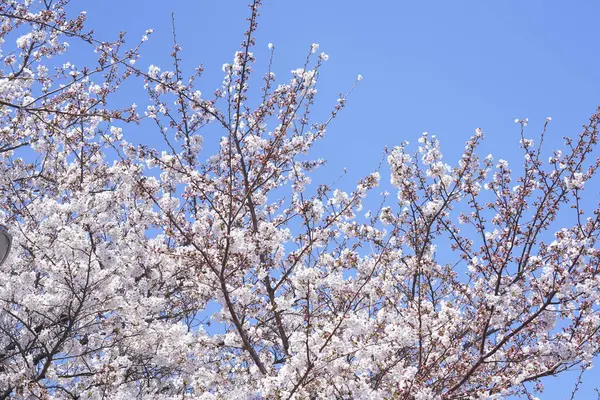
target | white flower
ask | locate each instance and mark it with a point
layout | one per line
(527, 142)
(314, 47)
(359, 77)
(24, 40)
(271, 46)
(433, 207)
(387, 217)
(116, 132)
(95, 89)
(523, 122)
(316, 209)
(153, 71)
(576, 182)
(339, 197)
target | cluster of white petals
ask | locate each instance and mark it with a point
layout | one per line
(213, 269)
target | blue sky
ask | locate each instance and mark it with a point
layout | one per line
(436, 66)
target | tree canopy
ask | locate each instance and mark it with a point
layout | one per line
(166, 272)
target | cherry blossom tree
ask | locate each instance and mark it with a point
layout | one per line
(125, 257)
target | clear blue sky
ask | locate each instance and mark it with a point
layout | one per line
(437, 66)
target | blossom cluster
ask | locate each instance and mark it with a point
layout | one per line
(166, 273)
